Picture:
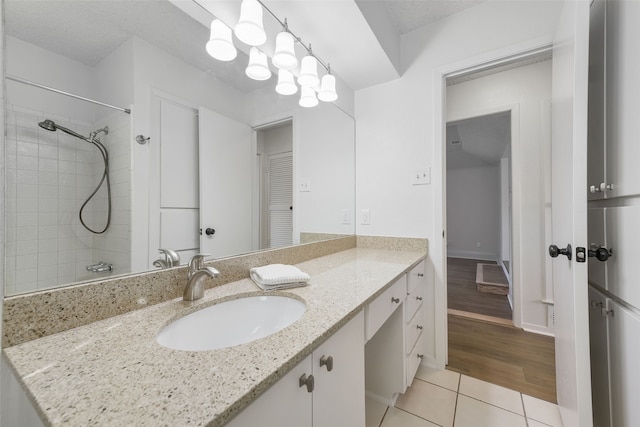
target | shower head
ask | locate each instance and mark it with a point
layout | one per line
(50, 125)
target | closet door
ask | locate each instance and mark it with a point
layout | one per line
(598, 341)
(280, 196)
(624, 330)
(623, 103)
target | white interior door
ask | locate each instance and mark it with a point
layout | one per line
(280, 196)
(226, 177)
(569, 211)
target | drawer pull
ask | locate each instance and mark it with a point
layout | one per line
(308, 381)
(420, 274)
(420, 356)
(419, 298)
(419, 327)
(396, 300)
(327, 361)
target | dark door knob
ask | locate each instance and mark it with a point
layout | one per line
(210, 231)
(554, 251)
(601, 253)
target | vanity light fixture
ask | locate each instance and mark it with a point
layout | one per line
(328, 88)
(285, 54)
(308, 97)
(220, 45)
(309, 71)
(249, 28)
(286, 85)
(258, 69)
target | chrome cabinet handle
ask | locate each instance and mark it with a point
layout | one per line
(420, 356)
(396, 300)
(419, 298)
(307, 381)
(327, 361)
(420, 275)
(419, 327)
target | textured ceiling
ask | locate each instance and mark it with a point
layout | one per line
(409, 15)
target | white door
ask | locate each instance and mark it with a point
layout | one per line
(226, 177)
(280, 200)
(569, 212)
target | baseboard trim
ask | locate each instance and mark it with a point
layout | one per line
(537, 329)
(485, 256)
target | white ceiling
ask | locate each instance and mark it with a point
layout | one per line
(88, 30)
(409, 15)
(479, 141)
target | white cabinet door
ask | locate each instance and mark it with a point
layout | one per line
(596, 237)
(599, 359)
(285, 404)
(623, 103)
(596, 131)
(338, 398)
(624, 354)
(623, 268)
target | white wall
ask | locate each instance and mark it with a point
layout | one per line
(528, 88)
(395, 125)
(473, 212)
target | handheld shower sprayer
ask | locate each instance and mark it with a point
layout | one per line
(50, 125)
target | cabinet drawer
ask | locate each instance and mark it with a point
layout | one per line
(413, 360)
(413, 332)
(413, 302)
(416, 276)
(382, 307)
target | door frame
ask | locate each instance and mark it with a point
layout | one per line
(437, 250)
(514, 210)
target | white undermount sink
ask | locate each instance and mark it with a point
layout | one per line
(231, 323)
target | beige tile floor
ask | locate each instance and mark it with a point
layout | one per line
(448, 399)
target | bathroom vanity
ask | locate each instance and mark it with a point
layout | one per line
(114, 372)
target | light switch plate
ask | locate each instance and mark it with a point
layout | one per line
(346, 216)
(366, 217)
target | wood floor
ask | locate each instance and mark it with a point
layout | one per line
(503, 355)
(494, 351)
(462, 293)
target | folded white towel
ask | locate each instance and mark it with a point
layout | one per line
(278, 276)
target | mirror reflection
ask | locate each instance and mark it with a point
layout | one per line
(208, 160)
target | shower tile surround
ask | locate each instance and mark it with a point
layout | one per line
(330, 304)
(48, 177)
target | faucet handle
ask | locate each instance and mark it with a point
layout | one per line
(170, 256)
(197, 262)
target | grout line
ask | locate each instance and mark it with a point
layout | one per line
(422, 418)
(438, 385)
(455, 408)
(383, 416)
(494, 405)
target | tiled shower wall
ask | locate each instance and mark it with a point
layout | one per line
(48, 177)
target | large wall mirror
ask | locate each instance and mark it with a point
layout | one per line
(225, 165)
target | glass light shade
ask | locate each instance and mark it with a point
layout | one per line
(249, 28)
(308, 97)
(258, 69)
(286, 85)
(328, 89)
(309, 72)
(285, 54)
(220, 46)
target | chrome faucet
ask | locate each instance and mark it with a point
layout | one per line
(171, 259)
(197, 274)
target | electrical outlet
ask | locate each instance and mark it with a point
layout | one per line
(304, 185)
(366, 218)
(346, 216)
(422, 176)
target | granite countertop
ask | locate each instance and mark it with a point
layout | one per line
(113, 372)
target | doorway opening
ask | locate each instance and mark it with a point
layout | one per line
(490, 224)
(478, 167)
(275, 184)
